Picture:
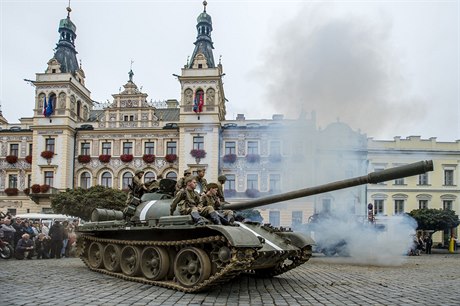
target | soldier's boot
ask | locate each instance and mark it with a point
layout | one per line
(223, 219)
(230, 219)
(199, 220)
(214, 216)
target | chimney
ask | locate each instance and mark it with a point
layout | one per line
(172, 103)
(240, 117)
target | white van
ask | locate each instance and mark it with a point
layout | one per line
(47, 219)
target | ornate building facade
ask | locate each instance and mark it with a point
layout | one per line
(70, 142)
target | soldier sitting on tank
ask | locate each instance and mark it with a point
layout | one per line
(220, 187)
(138, 186)
(210, 198)
(181, 182)
(201, 181)
(188, 201)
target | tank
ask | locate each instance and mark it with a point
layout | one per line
(152, 247)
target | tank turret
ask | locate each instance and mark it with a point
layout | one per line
(153, 247)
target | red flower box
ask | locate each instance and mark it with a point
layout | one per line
(47, 154)
(84, 159)
(198, 153)
(229, 158)
(29, 159)
(11, 191)
(104, 158)
(126, 158)
(148, 158)
(35, 188)
(27, 191)
(12, 159)
(253, 158)
(44, 188)
(170, 158)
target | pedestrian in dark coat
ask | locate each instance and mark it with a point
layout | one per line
(25, 248)
(57, 236)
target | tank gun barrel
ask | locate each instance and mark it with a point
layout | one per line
(372, 178)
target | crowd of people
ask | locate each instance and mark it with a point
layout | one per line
(30, 239)
(421, 244)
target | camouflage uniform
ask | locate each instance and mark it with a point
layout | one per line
(226, 216)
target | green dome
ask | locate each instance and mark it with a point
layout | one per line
(68, 24)
(204, 17)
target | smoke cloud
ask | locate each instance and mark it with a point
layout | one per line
(340, 67)
(363, 242)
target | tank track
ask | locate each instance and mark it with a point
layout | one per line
(240, 261)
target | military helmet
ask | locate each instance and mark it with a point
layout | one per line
(222, 178)
(187, 171)
(212, 185)
(189, 179)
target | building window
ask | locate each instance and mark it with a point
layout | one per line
(275, 148)
(128, 148)
(422, 204)
(327, 203)
(106, 179)
(171, 147)
(274, 218)
(399, 181)
(127, 180)
(198, 142)
(128, 118)
(84, 150)
(252, 181)
(29, 180)
(31, 146)
(253, 147)
(149, 176)
(399, 207)
(230, 182)
(85, 180)
(230, 147)
(49, 176)
(49, 144)
(13, 181)
(149, 148)
(447, 204)
(378, 207)
(297, 217)
(275, 182)
(449, 177)
(171, 175)
(106, 148)
(423, 179)
(14, 149)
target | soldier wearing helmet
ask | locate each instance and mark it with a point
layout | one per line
(181, 182)
(138, 186)
(220, 187)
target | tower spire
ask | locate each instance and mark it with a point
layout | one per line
(203, 43)
(66, 54)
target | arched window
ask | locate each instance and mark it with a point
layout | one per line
(85, 180)
(106, 179)
(149, 176)
(127, 180)
(78, 108)
(171, 175)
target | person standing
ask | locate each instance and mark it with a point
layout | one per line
(138, 186)
(428, 244)
(57, 236)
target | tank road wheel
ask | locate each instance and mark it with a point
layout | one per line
(111, 258)
(95, 252)
(154, 263)
(130, 260)
(192, 266)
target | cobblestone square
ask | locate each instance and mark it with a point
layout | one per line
(421, 280)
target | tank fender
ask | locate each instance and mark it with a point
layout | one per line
(238, 236)
(297, 239)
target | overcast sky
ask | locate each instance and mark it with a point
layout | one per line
(386, 68)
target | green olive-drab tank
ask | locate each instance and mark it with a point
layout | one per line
(155, 248)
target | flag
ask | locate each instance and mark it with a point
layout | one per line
(44, 107)
(49, 108)
(199, 102)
